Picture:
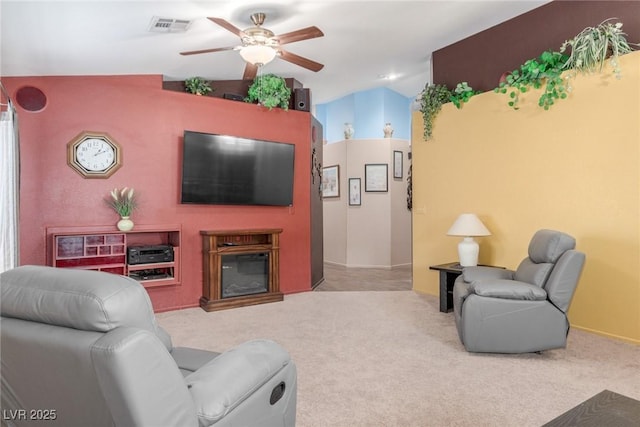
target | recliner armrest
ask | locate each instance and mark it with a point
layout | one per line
(226, 381)
(509, 289)
(190, 360)
(471, 274)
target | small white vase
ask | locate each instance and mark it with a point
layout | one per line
(388, 130)
(125, 224)
(348, 131)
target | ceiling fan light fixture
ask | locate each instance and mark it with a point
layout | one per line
(259, 45)
(257, 54)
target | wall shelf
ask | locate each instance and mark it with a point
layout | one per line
(103, 248)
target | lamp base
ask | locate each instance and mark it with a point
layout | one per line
(468, 251)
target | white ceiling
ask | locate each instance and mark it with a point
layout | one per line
(363, 40)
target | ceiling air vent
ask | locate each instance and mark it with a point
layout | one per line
(168, 25)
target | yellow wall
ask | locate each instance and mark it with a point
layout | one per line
(574, 168)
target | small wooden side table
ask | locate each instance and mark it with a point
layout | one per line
(449, 272)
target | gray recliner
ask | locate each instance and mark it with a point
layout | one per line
(82, 348)
(504, 311)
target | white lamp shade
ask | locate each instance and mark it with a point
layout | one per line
(468, 224)
(258, 54)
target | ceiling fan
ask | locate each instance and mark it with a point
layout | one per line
(260, 45)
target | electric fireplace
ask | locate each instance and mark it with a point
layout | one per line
(245, 274)
(240, 267)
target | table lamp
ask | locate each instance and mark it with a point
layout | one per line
(468, 225)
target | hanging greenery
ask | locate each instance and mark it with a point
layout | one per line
(270, 91)
(593, 45)
(588, 51)
(432, 98)
(546, 70)
(197, 86)
(461, 94)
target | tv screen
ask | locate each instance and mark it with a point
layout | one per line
(227, 170)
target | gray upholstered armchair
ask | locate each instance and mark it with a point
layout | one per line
(82, 348)
(505, 311)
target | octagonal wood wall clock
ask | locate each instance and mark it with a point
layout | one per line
(94, 154)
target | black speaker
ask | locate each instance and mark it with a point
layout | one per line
(302, 99)
(233, 96)
(31, 98)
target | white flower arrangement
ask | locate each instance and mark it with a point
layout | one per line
(122, 201)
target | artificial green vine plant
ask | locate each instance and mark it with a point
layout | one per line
(432, 99)
(434, 96)
(197, 86)
(461, 94)
(545, 70)
(270, 91)
(588, 51)
(593, 45)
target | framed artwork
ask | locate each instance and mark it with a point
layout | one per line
(331, 181)
(376, 177)
(397, 164)
(354, 192)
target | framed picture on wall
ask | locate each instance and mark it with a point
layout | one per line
(376, 177)
(397, 164)
(354, 192)
(331, 181)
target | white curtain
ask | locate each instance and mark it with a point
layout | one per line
(9, 187)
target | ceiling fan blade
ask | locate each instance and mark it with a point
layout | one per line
(250, 72)
(303, 34)
(218, 49)
(227, 26)
(301, 61)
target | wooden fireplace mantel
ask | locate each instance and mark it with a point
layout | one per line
(216, 244)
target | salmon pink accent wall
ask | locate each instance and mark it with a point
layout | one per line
(148, 122)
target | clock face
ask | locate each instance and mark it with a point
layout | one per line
(94, 155)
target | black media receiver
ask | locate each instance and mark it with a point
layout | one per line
(149, 254)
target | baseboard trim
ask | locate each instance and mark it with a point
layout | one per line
(385, 267)
(607, 335)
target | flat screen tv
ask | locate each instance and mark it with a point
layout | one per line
(227, 170)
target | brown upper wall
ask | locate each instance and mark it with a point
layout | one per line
(482, 58)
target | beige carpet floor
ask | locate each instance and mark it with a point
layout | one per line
(390, 358)
(340, 278)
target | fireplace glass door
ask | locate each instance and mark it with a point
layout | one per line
(245, 274)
